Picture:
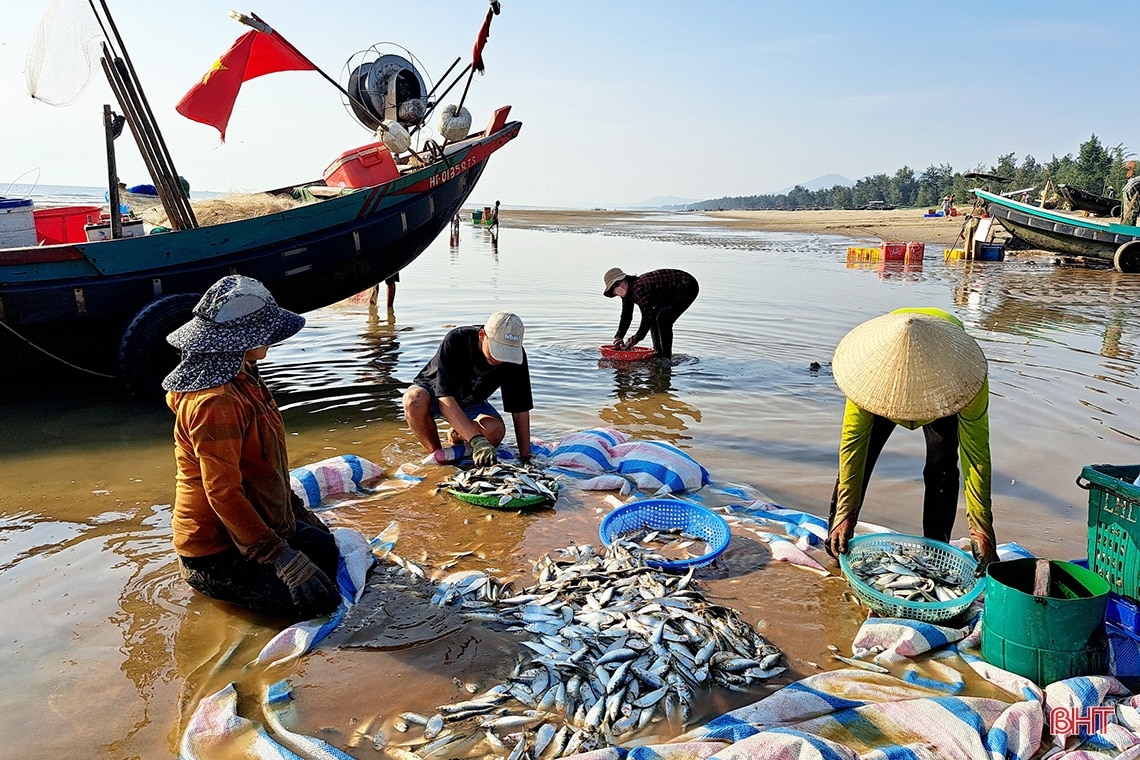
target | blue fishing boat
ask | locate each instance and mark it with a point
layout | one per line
(106, 305)
(1098, 240)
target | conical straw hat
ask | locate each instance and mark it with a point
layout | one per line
(909, 366)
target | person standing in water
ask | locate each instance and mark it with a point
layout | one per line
(919, 369)
(662, 295)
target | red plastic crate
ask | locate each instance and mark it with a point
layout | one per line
(64, 224)
(366, 166)
(893, 251)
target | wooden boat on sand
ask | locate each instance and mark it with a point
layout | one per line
(1083, 200)
(1099, 240)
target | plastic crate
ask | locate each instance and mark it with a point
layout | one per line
(1121, 612)
(1113, 534)
(366, 166)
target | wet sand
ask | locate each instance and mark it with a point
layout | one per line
(110, 651)
(894, 225)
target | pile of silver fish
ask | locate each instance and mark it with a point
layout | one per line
(505, 480)
(666, 545)
(911, 574)
(615, 646)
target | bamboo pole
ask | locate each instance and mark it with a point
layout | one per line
(161, 158)
(444, 95)
(136, 131)
(458, 58)
(163, 152)
(167, 174)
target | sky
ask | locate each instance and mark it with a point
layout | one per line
(621, 101)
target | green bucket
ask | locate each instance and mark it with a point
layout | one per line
(1044, 638)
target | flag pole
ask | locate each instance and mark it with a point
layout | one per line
(477, 56)
(253, 21)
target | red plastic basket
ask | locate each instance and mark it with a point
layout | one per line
(637, 353)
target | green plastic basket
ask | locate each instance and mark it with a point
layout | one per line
(492, 502)
(946, 557)
(1114, 509)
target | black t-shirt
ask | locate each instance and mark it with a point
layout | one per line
(460, 370)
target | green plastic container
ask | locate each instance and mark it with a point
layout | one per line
(1045, 638)
(1114, 525)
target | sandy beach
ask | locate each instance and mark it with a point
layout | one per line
(895, 225)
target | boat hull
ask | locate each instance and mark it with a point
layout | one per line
(1057, 232)
(81, 302)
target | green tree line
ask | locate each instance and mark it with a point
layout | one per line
(1095, 169)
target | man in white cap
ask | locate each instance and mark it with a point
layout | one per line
(471, 364)
(241, 534)
(916, 368)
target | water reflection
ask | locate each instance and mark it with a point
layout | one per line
(1050, 304)
(348, 359)
(909, 270)
(213, 644)
(646, 406)
(381, 342)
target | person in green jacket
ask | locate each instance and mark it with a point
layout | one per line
(916, 368)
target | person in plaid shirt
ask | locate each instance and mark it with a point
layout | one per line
(662, 295)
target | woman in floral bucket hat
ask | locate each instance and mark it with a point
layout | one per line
(241, 534)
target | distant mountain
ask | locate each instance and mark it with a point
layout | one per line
(661, 202)
(819, 183)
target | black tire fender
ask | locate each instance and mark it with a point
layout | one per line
(1127, 257)
(144, 355)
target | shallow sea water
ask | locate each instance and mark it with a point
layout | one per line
(106, 651)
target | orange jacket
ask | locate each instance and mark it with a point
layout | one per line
(233, 476)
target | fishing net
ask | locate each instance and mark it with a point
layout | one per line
(64, 53)
(230, 208)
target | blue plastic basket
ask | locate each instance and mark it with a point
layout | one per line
(946, 557)
(666, 514)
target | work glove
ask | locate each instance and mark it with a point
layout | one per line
(838, 536)
(482, 452)
(310, 588)
(984, 552)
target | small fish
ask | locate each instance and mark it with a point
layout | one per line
(433, 726)
(414, 718)
(860, 664)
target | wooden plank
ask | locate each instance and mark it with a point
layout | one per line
(1041, 578)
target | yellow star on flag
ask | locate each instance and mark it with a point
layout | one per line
(216, 67)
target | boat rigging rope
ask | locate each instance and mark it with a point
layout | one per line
(53, 356)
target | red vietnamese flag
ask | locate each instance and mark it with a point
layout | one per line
(211, 101)
(481, 40)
